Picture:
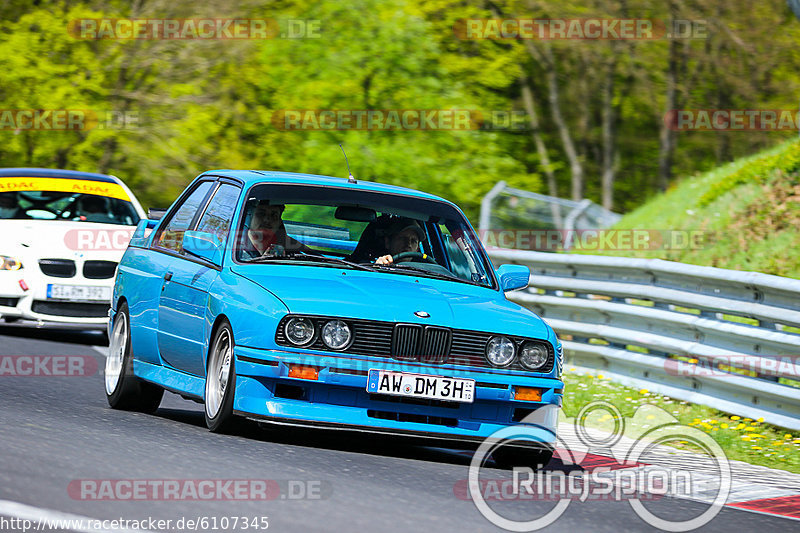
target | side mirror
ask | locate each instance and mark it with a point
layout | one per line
(155, 213)
(203, 245)
(513, 277)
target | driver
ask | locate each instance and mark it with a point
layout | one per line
(267, 233)
(402, 236)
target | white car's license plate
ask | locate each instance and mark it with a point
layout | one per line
(85, 293)
(420, 386)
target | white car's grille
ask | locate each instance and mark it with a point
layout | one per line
(58, 268)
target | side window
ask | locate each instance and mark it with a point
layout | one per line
(171, 237)
(219, 214)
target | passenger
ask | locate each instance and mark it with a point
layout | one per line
(8, 205)
(267, 233)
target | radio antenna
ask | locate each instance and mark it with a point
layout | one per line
(351, 178)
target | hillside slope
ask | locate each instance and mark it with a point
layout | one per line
(748, 212)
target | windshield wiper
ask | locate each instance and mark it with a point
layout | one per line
(442, 275)
(310, 257)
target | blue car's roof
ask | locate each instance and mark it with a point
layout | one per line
(56, 173)
(254, 177)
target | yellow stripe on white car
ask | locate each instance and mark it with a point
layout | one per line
(100, 188)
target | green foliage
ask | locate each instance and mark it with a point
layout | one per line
(747, 214)
(758, 170)
(204, 104)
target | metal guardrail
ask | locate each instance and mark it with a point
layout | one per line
(723, 338)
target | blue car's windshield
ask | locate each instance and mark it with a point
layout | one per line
(391, 233)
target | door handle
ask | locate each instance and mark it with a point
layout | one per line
(167, 277)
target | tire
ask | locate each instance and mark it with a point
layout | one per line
(123, 389)
(532, 457)
(220, 381)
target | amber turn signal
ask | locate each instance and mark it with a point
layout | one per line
(528, 394)
(303, 372)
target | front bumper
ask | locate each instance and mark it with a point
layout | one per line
(338, 398)
(34, 305)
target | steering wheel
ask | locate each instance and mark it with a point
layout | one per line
(418, 256)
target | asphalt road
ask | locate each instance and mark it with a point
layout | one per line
(56, 430)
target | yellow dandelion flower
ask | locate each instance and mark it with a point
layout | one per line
(724, 426)
(787, 436)
(734, 417)
(643, 391)
(600, 376)
(746, 437)
(777, 443)
(760, 419)
(740, 426)
(756, 447)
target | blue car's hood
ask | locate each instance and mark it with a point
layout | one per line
(393, 298)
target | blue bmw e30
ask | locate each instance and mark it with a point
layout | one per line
(318, 301)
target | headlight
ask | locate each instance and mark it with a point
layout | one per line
(336, 335)
(500, 351)
(533, 355)
(9, 263)
(299, 331)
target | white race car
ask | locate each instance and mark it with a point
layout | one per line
(62, 234)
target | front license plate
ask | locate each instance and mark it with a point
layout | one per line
(84, 293)
(421, 386)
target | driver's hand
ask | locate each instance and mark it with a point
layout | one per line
(384, 260)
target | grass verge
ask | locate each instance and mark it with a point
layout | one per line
(743, 439)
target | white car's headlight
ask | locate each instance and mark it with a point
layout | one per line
(9, 263)
(336, 335)
(500, 351)
(299, 331)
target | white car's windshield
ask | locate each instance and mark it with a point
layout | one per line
(57, 205)
(383, 232)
